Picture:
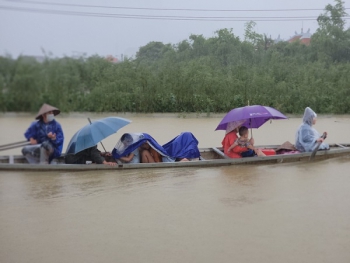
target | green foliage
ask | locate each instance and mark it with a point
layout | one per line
(250, 35)
(331, 42)
(199, 74)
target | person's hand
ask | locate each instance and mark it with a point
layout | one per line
(109, 163)
(33, 141)
(251, 141)
(51, 135)
(320, 140)
(251, 147)
(232, 146)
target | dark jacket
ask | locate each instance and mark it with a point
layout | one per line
(90, 154)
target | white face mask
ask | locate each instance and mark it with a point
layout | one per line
(50, 117)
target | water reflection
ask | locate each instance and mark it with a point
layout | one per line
(255, 214)
(53, 185)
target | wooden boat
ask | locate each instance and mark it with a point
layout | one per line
(209, 157)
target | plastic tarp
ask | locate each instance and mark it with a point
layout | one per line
(184, 145)
(124, 149)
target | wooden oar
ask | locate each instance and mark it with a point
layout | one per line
(13, 145)
(100, 142)
(341, 146)
(10, 144)
(313, 154)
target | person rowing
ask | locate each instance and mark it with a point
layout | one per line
(307, 138)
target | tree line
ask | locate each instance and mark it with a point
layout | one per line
(204, 75)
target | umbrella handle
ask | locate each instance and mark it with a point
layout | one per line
(250, 123)
(100, 142)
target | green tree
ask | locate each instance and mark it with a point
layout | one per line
(331, 40)
(250, 35)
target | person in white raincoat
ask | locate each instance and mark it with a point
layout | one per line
(307, 137)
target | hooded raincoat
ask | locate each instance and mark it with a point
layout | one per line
(306, 136)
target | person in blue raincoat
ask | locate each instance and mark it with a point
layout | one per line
(307, 137)
(45, 136)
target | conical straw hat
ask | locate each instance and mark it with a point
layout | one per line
(46, 108)
(286, 146)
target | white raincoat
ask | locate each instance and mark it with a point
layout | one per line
(306, 136)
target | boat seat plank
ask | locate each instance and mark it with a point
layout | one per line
(220, 153)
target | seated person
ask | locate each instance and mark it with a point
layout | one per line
(244, 146)
(125, 141)
(45, 137)
(228, 143)
(148, 154)
(307, 137)
(91, 154)
(133, 146)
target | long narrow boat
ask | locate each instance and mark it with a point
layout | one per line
(209, 157)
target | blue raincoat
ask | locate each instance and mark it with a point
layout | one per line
(38, 130)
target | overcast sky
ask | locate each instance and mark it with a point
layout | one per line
(28, 27)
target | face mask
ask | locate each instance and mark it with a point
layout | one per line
(50, 117)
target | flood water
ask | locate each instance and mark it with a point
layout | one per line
(294, 212)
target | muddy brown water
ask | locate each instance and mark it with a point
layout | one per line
(297, 212)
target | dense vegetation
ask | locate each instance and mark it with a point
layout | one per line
(196, 75)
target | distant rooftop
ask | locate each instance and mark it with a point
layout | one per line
(304, 38)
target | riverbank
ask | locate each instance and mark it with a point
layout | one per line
(149, 115)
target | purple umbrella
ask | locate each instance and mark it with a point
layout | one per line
(250, 116)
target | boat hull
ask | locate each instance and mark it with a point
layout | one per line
(210, 157)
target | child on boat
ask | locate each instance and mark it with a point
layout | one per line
(243, 145)
(148, 154)
(126, 140)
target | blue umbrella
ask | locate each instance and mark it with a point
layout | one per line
(92, 134)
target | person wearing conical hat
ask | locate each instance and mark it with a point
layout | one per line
(45, 136)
